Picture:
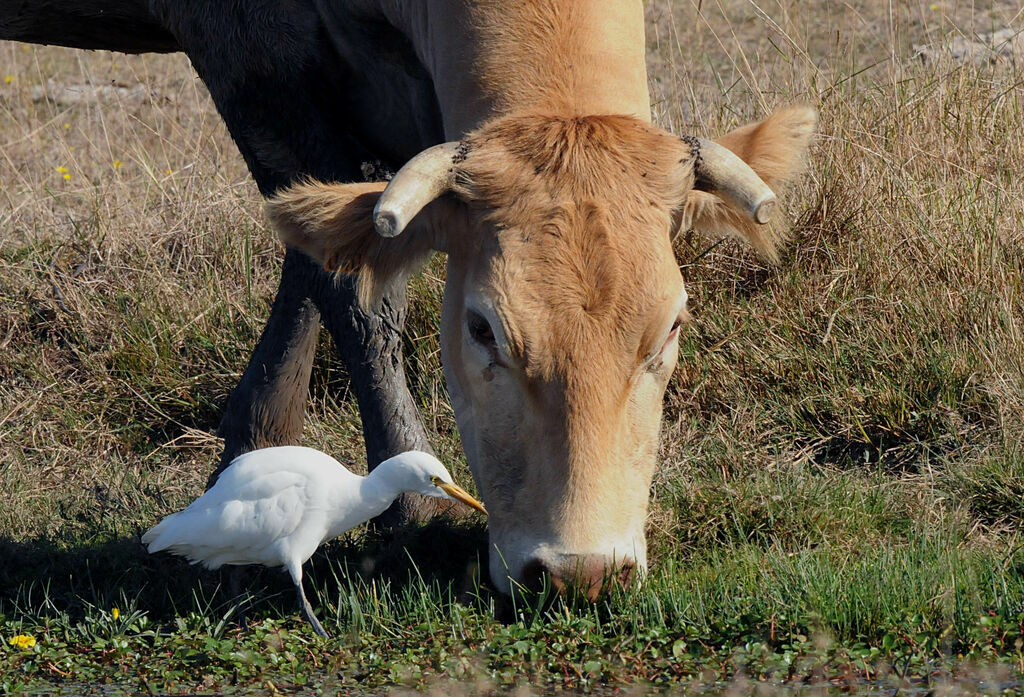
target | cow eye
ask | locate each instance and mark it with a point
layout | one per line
(655, 363)
(481, 331)
(673, 333)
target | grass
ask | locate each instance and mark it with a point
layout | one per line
(840, 495)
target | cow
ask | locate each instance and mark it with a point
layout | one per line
(529, 159)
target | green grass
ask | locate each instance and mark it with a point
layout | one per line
(842, 469)
(770, 615)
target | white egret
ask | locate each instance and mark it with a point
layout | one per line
(275, 506)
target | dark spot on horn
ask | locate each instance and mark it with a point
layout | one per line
(386, 224)
(694, 144)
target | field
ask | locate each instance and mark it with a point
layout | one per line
(841, 494)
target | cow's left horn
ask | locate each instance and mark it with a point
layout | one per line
(421, 180)
(721, 172)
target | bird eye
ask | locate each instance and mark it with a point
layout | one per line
(435, 480)
(480, 331)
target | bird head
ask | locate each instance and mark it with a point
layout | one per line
(429, 477)
(451, 490)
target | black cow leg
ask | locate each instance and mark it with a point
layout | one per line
(371, 346)
(269, 404)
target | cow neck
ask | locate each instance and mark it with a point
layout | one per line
(493, 57)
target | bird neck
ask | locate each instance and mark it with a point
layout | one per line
(382, 486)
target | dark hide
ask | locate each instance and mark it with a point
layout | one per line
(119, 25)
(300, 99)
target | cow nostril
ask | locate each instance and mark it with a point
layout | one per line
(533, 575)
(626, 572)
(590, 577)
(537, 576)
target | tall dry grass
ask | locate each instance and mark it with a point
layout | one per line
(884, 355)
(134, 278)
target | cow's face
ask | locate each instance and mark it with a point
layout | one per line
(562, 311)
(557, 344)
(561, 317)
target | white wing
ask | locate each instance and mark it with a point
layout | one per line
(266, 507)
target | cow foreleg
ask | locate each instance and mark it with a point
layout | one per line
(268, 405)
(371, 346)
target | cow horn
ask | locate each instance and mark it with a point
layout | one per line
(421, 180)
(721, 172)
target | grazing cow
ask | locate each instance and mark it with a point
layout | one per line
(553, 196)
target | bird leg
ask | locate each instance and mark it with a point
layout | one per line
(307, 609)
(307, 612)
(238, 581)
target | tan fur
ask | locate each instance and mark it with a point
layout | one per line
(582, 205)
(582, 157)
(580, 209)
(543, 56)
(559, 231)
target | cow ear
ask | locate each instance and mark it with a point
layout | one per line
(333, 224)
(776, 149)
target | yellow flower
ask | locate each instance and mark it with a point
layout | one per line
(62, 169)
(115, 613)
(67, 126)
(22, 641)
(9, 79)
(933, 7)
(116, 164)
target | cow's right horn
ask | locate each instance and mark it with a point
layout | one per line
(721, 172)
(421, 180)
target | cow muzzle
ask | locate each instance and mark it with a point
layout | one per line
(588, 575)
(584, 576)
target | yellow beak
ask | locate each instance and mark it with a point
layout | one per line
(457, 492)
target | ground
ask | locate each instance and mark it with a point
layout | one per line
(842, 482)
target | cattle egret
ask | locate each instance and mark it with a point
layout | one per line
(275, 506)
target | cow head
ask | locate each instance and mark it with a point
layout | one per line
(562, 307)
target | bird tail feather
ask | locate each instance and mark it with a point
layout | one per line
(156, 538)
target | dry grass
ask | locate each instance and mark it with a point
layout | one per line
(135, 278)
(880, 364)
